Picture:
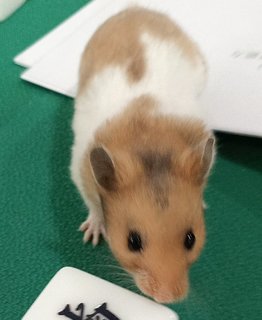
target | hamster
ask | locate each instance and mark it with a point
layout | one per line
(142, 148)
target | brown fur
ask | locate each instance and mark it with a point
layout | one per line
(157, 168)
(111, 47)
(173, 162)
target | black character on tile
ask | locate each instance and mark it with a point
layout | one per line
(102, 311)
(70, 315)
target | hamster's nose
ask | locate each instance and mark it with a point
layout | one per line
(171, 293)
(163, 298)
(169, 297)
(162, 290)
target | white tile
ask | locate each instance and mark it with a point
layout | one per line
(72, 286)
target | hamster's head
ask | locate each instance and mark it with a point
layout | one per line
(153, 207)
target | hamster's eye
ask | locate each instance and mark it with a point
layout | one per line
(190, 240)
(134, 241)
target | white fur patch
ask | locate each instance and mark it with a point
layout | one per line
(170, 78)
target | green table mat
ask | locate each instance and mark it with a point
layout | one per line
(41, 209)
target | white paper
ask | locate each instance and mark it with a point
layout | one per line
(58, 70)
(229, 34)
(39, 49)
(8, 7)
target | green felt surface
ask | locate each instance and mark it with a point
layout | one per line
(41, 210)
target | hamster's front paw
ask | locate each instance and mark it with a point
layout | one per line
(93, 227)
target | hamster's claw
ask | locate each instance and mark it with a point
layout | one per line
(92, 228)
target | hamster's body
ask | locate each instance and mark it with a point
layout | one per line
(141, 140)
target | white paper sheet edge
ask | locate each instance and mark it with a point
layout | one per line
(234, 91)
(31, 55)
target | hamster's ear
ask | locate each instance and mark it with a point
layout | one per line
(207, 159)
(103, 168)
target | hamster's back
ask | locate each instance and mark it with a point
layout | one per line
(138, 52)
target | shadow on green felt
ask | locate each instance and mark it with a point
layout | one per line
(245, 150)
